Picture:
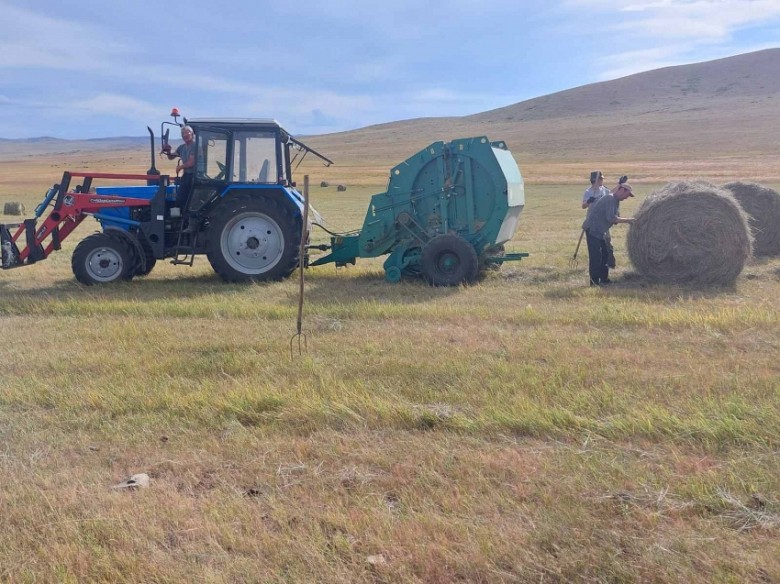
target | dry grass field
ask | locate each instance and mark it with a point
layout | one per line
(524, 429)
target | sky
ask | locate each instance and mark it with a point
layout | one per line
(91, 69)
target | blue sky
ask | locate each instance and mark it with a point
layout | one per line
(96, 68)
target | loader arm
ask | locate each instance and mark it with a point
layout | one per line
(68, 210)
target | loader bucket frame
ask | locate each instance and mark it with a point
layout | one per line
(69, 209)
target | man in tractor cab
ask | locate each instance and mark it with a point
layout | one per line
(186, 154)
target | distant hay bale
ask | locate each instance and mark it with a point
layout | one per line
(763, 206)
(690, 233)
(13, 208)
(341, 188)
(324, 184)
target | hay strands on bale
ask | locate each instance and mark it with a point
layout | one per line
(690, 233)
(13, 208)
(762, 204)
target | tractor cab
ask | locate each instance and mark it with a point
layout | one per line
(243, 189)
(236, 152)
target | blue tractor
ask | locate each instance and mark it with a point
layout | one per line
(446, 215)
(243, 210)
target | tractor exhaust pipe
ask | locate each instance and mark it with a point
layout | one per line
(152, 169)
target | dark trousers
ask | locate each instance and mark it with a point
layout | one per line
(598, 260)
(185, 189)
(611, 257)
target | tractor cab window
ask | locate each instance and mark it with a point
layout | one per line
(254, 157)
(212, 155)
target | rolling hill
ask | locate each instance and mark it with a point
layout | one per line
(704, 119)
(702, 115)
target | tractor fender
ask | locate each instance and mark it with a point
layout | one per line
(292, 200)
(132, 241)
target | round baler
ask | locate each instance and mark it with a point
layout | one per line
(446, 214)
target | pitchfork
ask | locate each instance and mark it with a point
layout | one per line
(573, 260)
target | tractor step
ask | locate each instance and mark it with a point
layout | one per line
(184, 255)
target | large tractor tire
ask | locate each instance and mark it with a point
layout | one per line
(149, 260)
(449, 260)
(253, 238)
(101, 259)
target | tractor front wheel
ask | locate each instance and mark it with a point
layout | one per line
(449, 260)
(253, 238)
(101, 259)
(149, 260)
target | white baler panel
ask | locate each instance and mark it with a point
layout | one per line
(514, 180)
(515, 194)
(509, 225)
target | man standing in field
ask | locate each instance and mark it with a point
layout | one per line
(603, 214)
(596, 189)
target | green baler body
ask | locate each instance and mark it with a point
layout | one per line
(468, 187)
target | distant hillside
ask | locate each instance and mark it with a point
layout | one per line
(701, 111)
(752, 77)
(690, 118)
(47, 145)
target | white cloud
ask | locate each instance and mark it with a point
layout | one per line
(688, 19)
(37, 40)
(335, 66)
(673, 32)
(120, 106)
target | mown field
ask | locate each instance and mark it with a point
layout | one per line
(524, 429)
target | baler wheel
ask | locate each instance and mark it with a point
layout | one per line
(253, 238)
(449, 260)
(101, 259)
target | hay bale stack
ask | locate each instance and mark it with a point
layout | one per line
(763, 206)
(13, 208)
(341, 188)
(324, 184)
(690, 233)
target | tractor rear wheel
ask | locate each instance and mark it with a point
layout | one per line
(449, 260)
(253, 238)
(101, 259)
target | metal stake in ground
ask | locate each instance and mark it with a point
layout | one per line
(304, 235)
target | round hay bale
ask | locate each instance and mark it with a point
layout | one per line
(341, 188)
(324, 184)
(690, 233)
(763, 206)
(13, 208)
